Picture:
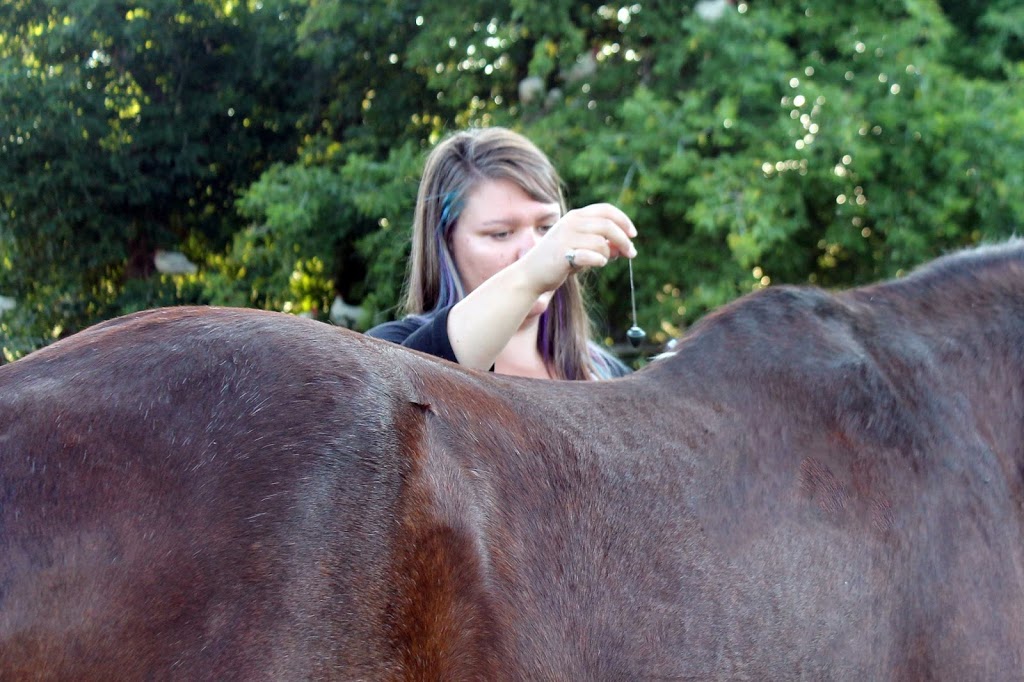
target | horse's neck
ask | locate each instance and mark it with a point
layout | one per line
(959, 331)
(946, 341)
(971, 315)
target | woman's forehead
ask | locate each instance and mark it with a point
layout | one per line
(503, 199)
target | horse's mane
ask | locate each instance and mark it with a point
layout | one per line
(981, 270)
(972, 259)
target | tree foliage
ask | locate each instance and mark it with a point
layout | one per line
(131, 127)
(752, 142)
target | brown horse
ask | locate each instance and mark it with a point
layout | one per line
(815, 485)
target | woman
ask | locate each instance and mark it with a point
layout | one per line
(492, 278)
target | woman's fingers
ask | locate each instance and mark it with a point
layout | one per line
(608, 212)
(588, 237)
(579, 259)
(605, 220)
(595, 244)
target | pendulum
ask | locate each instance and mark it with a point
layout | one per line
(636, 335)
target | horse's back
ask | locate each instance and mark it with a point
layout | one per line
(194, 492)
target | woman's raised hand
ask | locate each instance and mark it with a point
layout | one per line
(587, 237)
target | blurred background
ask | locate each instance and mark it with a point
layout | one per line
(266, 154)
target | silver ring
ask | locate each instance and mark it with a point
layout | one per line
(570, 257)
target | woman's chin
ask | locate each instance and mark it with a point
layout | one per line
(539, 306)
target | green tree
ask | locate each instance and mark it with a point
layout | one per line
(132, 127)
(752, 142)
(755, 143)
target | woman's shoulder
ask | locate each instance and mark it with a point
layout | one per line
(606, 364)
(396, 331)
(427, 333)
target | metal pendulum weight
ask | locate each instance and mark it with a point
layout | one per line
(636, 335)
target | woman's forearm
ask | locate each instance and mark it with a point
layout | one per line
(481, 324)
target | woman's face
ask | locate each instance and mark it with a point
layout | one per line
(498, 224)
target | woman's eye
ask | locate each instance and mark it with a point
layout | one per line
(543, 229)
(500, 235)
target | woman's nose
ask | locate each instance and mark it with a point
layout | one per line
(527, 242)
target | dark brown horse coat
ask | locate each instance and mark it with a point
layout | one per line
(813, 486)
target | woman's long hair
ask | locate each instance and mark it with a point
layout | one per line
(453, 169)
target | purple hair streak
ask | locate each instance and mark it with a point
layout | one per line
(450, 285)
